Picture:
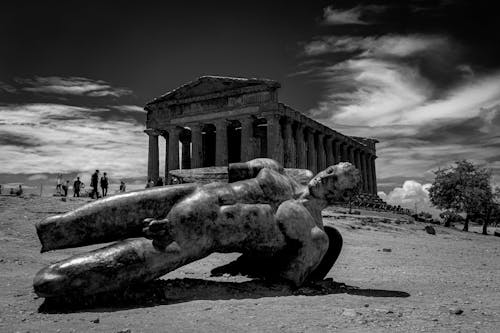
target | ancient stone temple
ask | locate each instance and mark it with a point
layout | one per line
(213, 121)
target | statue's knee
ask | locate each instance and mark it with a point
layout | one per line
(50, 282)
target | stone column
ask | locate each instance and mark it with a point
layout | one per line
(330, 160)
(274, 139)
(368, 158)
(197, 146)
(300, 143)
(311, 151)
(321, 153)
(165, 136)
(247, 139)
(357, 160)
(289, 145)
(153, 155)
(221, 157)
(336, 151)
(352, 159)
(185, 138)
(374, 174)
(344, 152)
(173, 148)
(364, 172)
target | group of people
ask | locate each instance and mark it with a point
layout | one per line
(95, 181)
(151, 183)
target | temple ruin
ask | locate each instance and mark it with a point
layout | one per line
(213, 121)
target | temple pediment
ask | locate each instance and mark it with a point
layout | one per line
(207, 87)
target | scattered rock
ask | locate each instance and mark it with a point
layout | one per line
(349, 313)
(497, 233)
(63, 199)
(95, 321)
(456, 311)
(430, 230)
(366, 305)
(128, 330)
(387, 250)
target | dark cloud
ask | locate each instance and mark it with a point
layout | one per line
(18, 139)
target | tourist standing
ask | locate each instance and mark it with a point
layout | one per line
(65, 188)
(94, 183)
(59, 183)
(104, 185)
(159, 182)
(76, 187)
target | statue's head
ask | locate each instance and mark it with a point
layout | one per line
(336, 183)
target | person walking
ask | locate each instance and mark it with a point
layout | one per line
(76, 187)
(104, 185)
(94, 183)
(123, 187)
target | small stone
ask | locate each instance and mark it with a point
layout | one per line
(387, 250)
(63, 199)
(430, 230)
(349, 313)
(456, 311)
(366, 305)
(435, 319)
(128, 330)
(95, 321)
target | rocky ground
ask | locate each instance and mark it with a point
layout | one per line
(392, 276)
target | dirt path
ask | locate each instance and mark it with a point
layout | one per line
(415, 287)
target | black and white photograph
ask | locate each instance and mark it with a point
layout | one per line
(250, 166)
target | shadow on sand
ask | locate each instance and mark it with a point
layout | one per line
(164, 292)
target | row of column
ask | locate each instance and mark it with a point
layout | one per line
(290, 143)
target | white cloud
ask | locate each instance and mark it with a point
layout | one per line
(387, 45)
(71, 86)
(412, 194)
(332, 16)
(38, 177)
(136, 108)
(7, 87)
(65, 138)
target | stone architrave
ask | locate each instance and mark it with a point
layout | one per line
(173, 147)
(247, 141)
(274, 139)
(289, 151)
(311, 151)
(320, 152)
(221, 156)
(300, 143)
(197, 146)
(153, 155)
(329, 151)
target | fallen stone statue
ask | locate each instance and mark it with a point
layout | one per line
(262, 213)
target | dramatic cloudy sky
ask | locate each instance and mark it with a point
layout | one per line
(421, 76)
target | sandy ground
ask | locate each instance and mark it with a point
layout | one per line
(448, 282)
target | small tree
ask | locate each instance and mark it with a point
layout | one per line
(464, 188)
(490, 210)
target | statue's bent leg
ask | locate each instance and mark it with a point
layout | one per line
(333, 252)
(111, 268)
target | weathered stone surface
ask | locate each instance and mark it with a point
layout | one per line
(269, 218)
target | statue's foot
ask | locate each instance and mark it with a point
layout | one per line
(158, 231)
(333, 252)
